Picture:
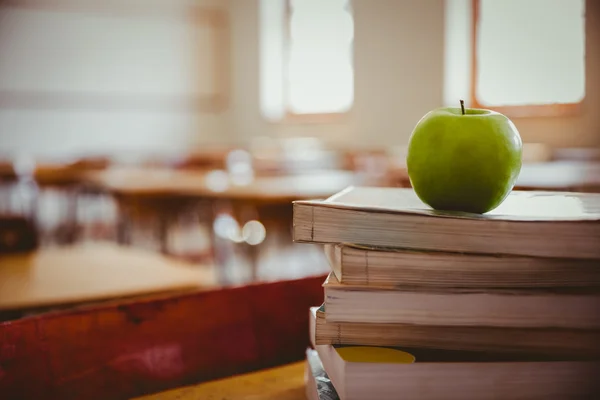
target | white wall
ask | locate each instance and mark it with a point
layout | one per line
(82, 76)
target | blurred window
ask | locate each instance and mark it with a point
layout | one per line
(306, 68)
(528, 56)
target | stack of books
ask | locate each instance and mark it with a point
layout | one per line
(445, 305)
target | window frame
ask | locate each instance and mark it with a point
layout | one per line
(528, 110)
(288, 115)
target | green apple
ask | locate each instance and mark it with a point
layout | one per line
(464, 159)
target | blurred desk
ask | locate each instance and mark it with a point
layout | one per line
(577, 176)
(53, 173)
(560, 176)
(47, 190)
(67, 275)
(7, 171)
(166, 194)
(220, 185)
(282, 383)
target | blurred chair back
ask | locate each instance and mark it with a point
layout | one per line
(17, 234)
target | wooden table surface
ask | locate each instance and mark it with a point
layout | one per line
(581, 176)
(282, 383)
(133, 347)
(91, 272)
(162, 182)
(57, 172)
(560, 175)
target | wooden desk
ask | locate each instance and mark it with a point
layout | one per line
(157, 183)
(560, 176)
(92, 272)
(139, 346)
(51, 176)
(7, 171)
(282, 383)
(56, 173)
(162, 195)
(578, 176)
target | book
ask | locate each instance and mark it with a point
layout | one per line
(458, 375)
(461, 307)
(363, 372)
(318, 384)
(567, 343)
(539, 224)
(363, 265)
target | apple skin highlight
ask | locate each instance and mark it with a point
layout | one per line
(464, 162)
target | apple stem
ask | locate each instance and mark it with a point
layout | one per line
(462, 106)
